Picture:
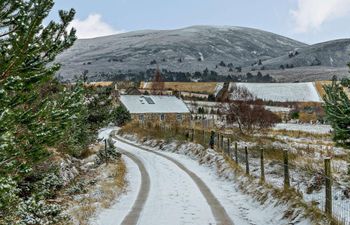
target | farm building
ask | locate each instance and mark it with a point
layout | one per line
(156, 109)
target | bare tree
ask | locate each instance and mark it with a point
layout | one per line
(242, 108)
(158, 85)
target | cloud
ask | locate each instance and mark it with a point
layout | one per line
(312, 14)
(93, 26)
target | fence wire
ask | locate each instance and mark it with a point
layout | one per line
(274, 174)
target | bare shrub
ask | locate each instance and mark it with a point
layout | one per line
(248, 112)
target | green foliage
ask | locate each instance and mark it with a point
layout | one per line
(294, 115)
(47, 187)
(8, 197)
(29, 120)
(120, 116)
(78, 188)
(34, 211)
(345, 82)
(36, 112)
(99, 107)
(337, 107)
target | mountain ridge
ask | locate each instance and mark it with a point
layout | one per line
(195, 48)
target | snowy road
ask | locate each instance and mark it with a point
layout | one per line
(177, 195)
(134, 214)
(173, 189)
(192, 198)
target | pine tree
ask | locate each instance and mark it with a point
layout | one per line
(337, 107)
(30, 119)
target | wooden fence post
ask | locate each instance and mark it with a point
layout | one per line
(236, 152)
(212, 139)
(286, 169)
(246, 160)
(228, 147)
(218, 141)
(106, 153)
(222, 142)
(327, 169)
(262, 168)
(203, 137)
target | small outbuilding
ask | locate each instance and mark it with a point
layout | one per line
(156, 109)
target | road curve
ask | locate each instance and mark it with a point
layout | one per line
(217, 209)
(133, 216)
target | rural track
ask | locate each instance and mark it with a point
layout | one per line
(220, 215)
(133, 216)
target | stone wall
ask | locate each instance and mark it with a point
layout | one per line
(162, 118)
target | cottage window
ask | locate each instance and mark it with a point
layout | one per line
(162, 117)
(179, 117)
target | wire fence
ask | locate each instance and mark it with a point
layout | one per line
(317, 187)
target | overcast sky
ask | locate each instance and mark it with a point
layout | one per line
(309, 21)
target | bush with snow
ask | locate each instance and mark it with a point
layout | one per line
(34, 211)
(48, 185)
(8, 198)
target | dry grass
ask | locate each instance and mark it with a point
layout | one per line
(84, 212)
(154, 132)
(299, 134)
(91, 150)
(195, 87)
(112, 188)
(108, 186)
(100, 84)
(319, 87)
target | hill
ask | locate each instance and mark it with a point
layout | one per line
(216, 53)
(329, 54)
(187, 50)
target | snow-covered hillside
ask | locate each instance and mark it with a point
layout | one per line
(187, 50)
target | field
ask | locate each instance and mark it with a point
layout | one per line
(280, 92)
(196, 87)
(283, 92)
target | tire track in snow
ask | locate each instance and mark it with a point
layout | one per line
(217, 209)
(133, 216)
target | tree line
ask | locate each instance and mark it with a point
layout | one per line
(171, 76)
(40, 117)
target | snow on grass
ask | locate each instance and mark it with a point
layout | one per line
(116, 213)
(242, 208)
(311, 128)
(283, 92)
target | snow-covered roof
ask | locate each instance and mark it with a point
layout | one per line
(153, 104)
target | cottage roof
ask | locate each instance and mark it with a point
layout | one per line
(153, 104)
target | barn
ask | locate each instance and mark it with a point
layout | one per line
(156, 109)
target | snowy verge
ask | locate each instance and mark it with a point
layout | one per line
(310, 128)
(96, 187)
(244, 197)
(117, 212)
